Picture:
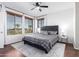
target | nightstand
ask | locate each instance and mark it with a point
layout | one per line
(63, 39)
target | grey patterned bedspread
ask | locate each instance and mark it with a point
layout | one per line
(45, 41)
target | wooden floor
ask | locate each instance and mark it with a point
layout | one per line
(70, 51)
(9, 51)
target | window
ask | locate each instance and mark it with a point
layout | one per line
(14, 24)
(40, 22)
(28, 25)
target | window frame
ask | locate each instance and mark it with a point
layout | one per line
(14, 15)
(27, 18)
(40, 20)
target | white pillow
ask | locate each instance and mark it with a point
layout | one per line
(52, 32)
(44, 32)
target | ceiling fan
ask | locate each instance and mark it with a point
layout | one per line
(39, 6)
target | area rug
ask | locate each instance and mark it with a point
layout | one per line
(29, 51)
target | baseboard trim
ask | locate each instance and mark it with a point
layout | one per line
(12, 43)
(65, 43)
(76, 48)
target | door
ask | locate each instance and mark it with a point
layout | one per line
(1, 34)
(1, 29)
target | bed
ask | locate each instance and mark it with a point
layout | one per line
(44, 40)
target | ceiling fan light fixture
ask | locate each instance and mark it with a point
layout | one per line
(37, 8)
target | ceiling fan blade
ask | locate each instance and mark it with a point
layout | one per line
(40, 10)
(33, 8)
(44, 6)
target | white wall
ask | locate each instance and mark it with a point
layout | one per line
(65, 20)
(77, 26)
(13, 38)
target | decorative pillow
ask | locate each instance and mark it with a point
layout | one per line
(44, 32)
(52, 32)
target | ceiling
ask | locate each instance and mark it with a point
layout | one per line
(26, 6)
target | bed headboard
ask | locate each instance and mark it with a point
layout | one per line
(50, 28)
